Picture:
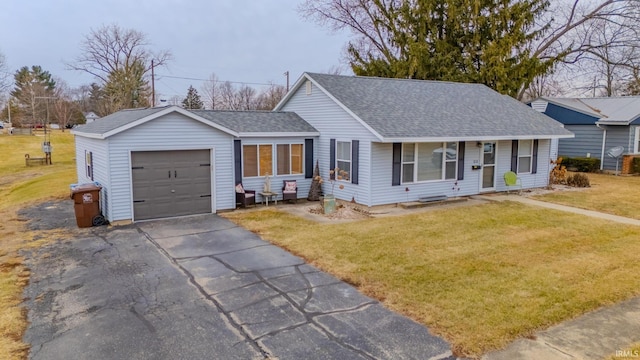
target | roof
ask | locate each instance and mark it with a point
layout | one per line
(621, 110)
(236, 123)
(406, 109)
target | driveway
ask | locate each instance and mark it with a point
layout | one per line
(201, 288)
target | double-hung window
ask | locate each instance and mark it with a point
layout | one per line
(343, 159)
(429, 161)
(257, 160)
(289, 159)
(525, 155)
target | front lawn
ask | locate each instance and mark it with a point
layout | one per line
(480, 276)
(617, 195)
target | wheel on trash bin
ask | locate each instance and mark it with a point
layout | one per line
(98, 220)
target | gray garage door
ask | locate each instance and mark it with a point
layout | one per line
(171, 183)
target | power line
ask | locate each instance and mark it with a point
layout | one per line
(219, 81)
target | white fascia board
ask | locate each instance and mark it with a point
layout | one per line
(472, 138)
(277, 134)
(614, 123)
(165, 112)
(88, 135)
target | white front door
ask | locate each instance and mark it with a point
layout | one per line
(488, 162)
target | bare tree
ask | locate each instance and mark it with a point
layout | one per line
(211, 91)
(62, 106)
(270, 97)
(5, 77)
(121, 59)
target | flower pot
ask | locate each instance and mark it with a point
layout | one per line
(329, 204)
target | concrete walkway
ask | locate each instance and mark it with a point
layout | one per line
(595, 335)
(548, 205)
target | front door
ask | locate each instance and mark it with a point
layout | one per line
(488, 159)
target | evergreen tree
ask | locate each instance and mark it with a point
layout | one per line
(192, 101)
(33, 87)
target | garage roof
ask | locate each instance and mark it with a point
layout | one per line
(235, 123)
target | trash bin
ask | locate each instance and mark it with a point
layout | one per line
(86, 203)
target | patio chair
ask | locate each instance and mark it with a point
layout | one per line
(511, 180)
(289, 190)
(245, 197)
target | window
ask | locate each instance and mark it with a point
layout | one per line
(525, 152)
(257, 160)
(289, 159)
(429, 161)
(88, 163)
(343, 159)
(637, 142)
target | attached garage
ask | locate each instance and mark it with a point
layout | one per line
(167, 161)
(170, 183)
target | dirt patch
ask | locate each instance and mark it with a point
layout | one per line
(549, 190)
(344, 211)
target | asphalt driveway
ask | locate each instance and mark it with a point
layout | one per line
(202, 288)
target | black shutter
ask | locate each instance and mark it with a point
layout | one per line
(397, 164)
(461, 160)
(355, 151)
(332, 158)
(514, 156)
(308, 158)
(237, 160)
(534, 158)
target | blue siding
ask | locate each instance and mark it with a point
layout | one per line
(569, 117)
(617, 136)
(588, 140)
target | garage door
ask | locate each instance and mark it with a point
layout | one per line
(171, 183)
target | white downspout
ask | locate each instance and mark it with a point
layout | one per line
(604, 141)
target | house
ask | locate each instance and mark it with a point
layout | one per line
(598, 123)
(395, 139)
(90, 117)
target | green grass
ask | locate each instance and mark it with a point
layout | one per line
(19, 186)
(479, 276)
(617, 195)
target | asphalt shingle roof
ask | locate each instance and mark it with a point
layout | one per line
(404, 108)
(237, 121)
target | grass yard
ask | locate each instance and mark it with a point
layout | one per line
(20, 186)
(616, 195)
(480, 276)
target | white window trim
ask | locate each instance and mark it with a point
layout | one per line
(290, 162)
(530, 156)
(88, 164)
(636, 143)
(350, 161)
(415, 164)
(258, 160)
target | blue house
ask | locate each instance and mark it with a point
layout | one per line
(396, 140)
(599, 124)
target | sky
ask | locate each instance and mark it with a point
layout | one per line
(250, 41)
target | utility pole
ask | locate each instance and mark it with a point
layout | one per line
(153, 86)
(286, 73)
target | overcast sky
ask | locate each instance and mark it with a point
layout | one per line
(253, 41)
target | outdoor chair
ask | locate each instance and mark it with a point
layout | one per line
(512, 180)
(289, 190)
(245, 197)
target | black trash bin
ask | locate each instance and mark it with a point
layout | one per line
(86, 203)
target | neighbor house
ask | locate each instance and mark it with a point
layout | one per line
(599, 124)
(396, 140)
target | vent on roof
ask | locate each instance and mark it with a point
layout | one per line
(539, 105)
(308, 86)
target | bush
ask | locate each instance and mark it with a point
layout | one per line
(578, 180)
(582, 164)
(635, 166)
(558, 174)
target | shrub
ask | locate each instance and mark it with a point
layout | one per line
(558, 173)
(582, 164)
(635, 166)
(578, 180)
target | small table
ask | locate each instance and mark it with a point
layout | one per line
(267, 195)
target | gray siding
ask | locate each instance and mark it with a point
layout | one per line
(257, 183)
(617, 136)
(333, 122)
(170, 132)
(100, 156)
(588, 140)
